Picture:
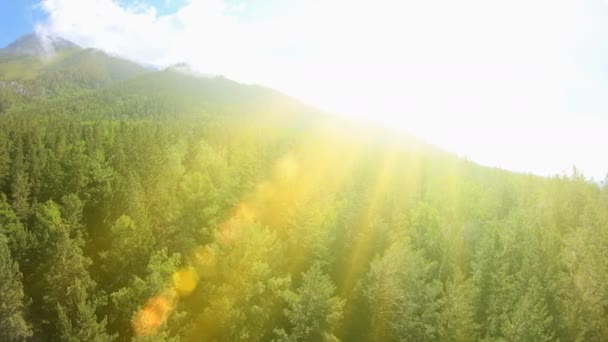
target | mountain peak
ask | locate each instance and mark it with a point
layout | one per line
(37, 44)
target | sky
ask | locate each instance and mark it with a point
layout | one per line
(518, 84)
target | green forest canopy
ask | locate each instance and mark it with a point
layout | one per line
(158, 206)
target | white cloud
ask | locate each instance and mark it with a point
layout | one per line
(486, 78)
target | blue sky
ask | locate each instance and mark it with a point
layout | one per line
(18, 17)
(519, 84)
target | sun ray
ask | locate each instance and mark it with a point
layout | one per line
(294, 180)
(355, 264)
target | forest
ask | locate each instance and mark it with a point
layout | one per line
(154, 205)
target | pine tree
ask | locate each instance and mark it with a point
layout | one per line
(404, 296)
(13, 326)
(313, 310)
(62, 287)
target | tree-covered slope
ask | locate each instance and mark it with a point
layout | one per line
(36, 67)
(161, 206)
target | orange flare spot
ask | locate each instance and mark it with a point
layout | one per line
(147, 320)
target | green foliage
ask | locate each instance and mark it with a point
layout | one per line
(13, 325)
(130, 247)
(312, 310)
(403, 295)
(244, 292)
(14, 231)
(457, 317)
(65, 291)
(157, 206)
(126, 301)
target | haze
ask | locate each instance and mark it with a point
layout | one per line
(515, 84)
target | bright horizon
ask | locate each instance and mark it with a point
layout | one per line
(514, 84)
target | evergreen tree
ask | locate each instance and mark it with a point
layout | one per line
(312, 310)
(404, 296)
(13, 325)
(64, 290)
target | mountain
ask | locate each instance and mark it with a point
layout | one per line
(36, 45)
(36, 67)
(165, 205)
(91, 77)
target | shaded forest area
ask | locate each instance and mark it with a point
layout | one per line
(165, 207)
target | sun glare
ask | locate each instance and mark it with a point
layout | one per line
(303, 170)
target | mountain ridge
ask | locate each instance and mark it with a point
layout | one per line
(35, 44)
(88, 76)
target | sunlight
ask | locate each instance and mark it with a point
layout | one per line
(457, 74)
(295, 178)
(303, 170)
(382, 179)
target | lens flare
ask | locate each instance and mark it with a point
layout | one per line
(293, 182)
(185, 281)
(156, 311)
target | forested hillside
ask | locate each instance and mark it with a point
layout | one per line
(159, 206)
